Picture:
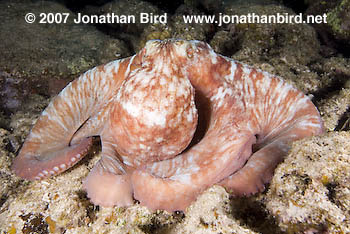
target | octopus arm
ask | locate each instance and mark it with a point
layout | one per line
(48, 149)
(260, 166)
(280, 115)
(173, 184)
(108, 183)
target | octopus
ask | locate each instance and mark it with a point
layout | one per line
(173, 120)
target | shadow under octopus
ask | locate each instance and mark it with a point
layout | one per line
(146, 109)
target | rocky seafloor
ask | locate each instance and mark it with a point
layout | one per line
(310, 191)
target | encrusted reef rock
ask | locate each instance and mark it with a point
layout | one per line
(177, 28)
(334, 98)
(51, 51)
(338, 21)
(310, 190)
(138, 33)
(211, 213)
(277, 48)
(291, 40)
(8, 182)
(335, 110)
(130, 8)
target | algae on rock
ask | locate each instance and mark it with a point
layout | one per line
(310, 189)
(51, 51)
(339, 20)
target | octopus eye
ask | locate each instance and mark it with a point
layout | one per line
(179, 42)
(143, 52)
(189, 52)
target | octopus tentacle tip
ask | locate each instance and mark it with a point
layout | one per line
(36, 167)
(108, 190)
(174, 119)
(161, 194)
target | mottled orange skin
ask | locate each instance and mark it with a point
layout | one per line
(173, 120)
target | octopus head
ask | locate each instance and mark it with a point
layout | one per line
(155, 116)
(193, 60)
(175, 52)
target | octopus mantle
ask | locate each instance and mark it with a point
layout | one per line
(173, 120)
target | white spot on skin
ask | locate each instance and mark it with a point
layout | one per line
(251, 88)
(213, 57)
(126, 162)
(246, 70)
(305, 124)
(249, 127)
(130, 63)
(162, 81)
(182, 88)
(159, 139)
(166, 71)
(183, 178)
(230, 77)
(264, 85)
(171, 88)
(154, 167)
(190, 159)
(220, 95)
(181, 50)
(303, 101)
(283, 91)
(189, 116)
